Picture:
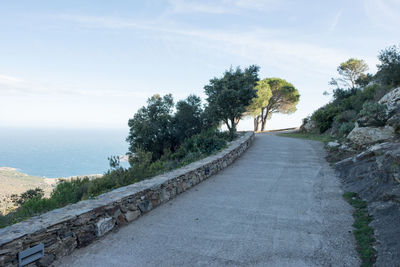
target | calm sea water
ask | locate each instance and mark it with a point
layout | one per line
(60, 152)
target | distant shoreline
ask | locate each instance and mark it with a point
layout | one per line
(13, 181)
(95, 175)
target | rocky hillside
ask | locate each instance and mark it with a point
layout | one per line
(15, 182)
(368, 161)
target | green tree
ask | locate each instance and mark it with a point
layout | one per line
(257, 107)
(350, 71)
(188, 119)
(229, 96)
(389, 69)
(274, 95)
(150, 128)
(27, 195)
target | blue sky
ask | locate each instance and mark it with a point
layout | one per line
(92, 64)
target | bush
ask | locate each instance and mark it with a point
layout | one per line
(389, 69)
(346, 116)
(345, 128)
(323, 117)
(71, 191)
(27, 195)
(372, 114)
(205, 143)
(345, 107)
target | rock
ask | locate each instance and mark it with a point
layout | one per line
(391, 99)
(85, 235)
(132, 215)
(46, 260)
(346, 147)
(374, 150)
(394, 121)
(145, 206)
(132, 207)
(368, 135)
(116, 214)
(104, 225)
(333, 144)
(375, 176)
(309, 127)
(121, 220)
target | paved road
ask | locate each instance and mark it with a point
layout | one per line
(280, 204)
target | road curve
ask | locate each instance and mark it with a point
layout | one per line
(280, 204)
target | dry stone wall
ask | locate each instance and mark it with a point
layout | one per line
(77, 225)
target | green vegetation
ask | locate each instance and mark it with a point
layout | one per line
(229, 96)
(274, 95)
(13, 183)
(162, 136)
(363, 233)
(389, 69)
(351, 72)
(355, 95)
(309, 136)
(142, 166)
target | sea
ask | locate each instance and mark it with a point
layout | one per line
(55, 153)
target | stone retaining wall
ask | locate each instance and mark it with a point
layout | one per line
(77, 225)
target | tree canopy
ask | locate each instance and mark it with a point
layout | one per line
(229, 96)
(157, 130)
(274, 95)
(351, 71)
(150, 126)
(188, 119)
(389, 69)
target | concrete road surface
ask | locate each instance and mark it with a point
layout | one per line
(280, 204)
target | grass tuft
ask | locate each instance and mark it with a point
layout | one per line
(363, 233)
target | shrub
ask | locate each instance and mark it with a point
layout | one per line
(389, 69)
(372, 114)
(346, 116)
(323, 117)
(71, 191)
(206, 142)
(27, 195)
(345, 128)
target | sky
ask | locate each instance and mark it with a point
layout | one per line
(92, 64)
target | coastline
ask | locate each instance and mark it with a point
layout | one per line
(13, 181)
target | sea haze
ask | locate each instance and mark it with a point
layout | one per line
(60, 152)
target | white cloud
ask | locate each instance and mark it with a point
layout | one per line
(335, 20)
(256, 44)
(6, 79)
(16, 86)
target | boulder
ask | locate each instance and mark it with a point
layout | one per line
(368, 135)
(333, 144)
(309, 127)
(391, 99)
(394, 121)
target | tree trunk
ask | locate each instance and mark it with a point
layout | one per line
(228, 126)
(231, 128)
(262, 125)
(264, 120)
(256, 123)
